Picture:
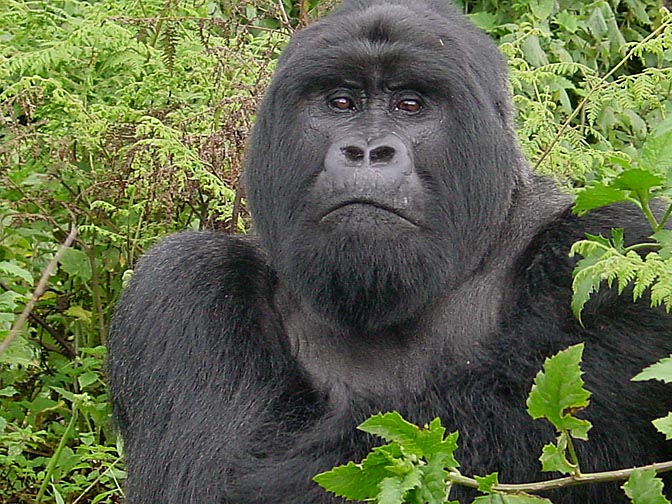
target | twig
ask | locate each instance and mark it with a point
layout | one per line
(39, 290)
(542, 486)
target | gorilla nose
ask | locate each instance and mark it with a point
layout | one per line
(355, 154)
(387, 153)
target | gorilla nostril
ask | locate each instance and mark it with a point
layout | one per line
(353, 153)
(382, 154)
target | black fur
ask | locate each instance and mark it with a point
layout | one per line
(405, 259)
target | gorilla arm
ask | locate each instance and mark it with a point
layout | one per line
(195, 335)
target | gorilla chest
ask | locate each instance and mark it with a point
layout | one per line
(446, 339)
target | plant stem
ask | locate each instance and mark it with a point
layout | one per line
(542, 486)
(57, 454)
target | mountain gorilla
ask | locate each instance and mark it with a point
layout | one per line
(405, 258)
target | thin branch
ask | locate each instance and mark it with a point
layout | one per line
(39, 290)
(543, 486)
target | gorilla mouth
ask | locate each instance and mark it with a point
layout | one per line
(371, 204)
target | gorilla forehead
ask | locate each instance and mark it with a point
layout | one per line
(409, 44)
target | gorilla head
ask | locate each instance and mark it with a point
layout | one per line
(383, 150)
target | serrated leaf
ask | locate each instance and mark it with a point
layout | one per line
(434, 476)
(638, 181)
(643, 487)
(664, 426)
(393, 427)
(661, 370)
(510, 499)
(553, 458)
(350, 481)
(361, 481)
(558, 392)
(485, 483)
(597, 195)
(428, 442)
(393, 490)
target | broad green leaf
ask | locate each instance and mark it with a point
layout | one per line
(643, 487)
(541, 8)
(597, 195)
(15, 270)
(638, 181)
(8, 391)
(533, 52)
(661, 370)
(87, 378)
(486, 21)
(510, 499)
(553, 458)
(351, 481)
(485, 483)
(393, 427)
(664, 426)
(79, 313)
(558, 392)
(361, 481)
(76, 263)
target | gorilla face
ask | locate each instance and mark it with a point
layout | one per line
(382, 152)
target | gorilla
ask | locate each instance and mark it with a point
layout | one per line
(405, 258)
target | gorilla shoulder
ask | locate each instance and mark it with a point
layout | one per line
(210, 266)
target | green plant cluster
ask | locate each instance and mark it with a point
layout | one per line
(419, 465)
(126, 120)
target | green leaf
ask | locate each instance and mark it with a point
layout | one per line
(558, 392)
(664, 237)
(533, 52)
(15, 270)
(87, 378)
(350, 481)
(76, 263)
(542, 8)
(638, 181)
(510, 499)
(664, 426)
(597, 195)
(661, 370)
(427, 442)
(643, 487)
(553, 458)
(434, 476)
(656, 153)
(393, 490)
(485, 483)
(361, 481)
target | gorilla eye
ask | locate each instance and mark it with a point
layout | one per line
(342, 103)
(410, 105)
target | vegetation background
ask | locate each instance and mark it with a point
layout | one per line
(126, 120)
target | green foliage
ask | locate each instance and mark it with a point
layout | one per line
(419, 465)
(643, 487)
(411, 468)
